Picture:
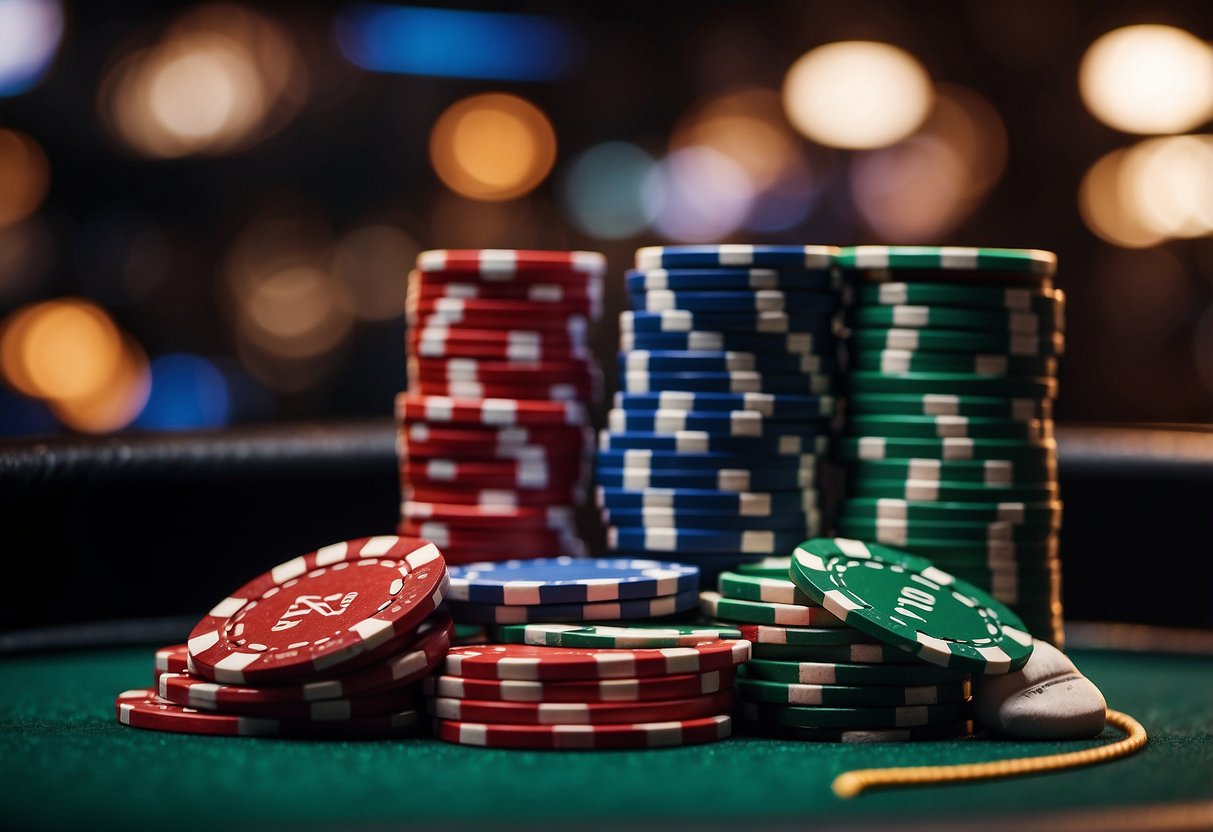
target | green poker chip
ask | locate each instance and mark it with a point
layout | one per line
(982, 364)
(845, 673)
(851, 696)
(804, 636)
(916, 535)
(1011, 298)
(958, 341)
(990, 472)
(932, 492)
(627, 636)
(945, 404)
(965, 384)
(941, 427)
(947, 317)
(864, 653)
(906, 716)
(921, 733)
(1041, 452)
(949, 258)
(716, 606)
(761, 588)
(776, 567)
(904, 599)
(1029, 514)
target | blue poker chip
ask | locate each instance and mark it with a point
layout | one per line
(736, 255)
(733, 423)
(709, 541)
(710, 564)
(774, 406)
(730, 503)
(804, 524)
(735, 279)
(621, 610)
(711, 479)
(763, 300)
(700, 361)
(823, 343)
(681, 320)
(568, 580)
(742, 381)
(697, 441)
(643, 459)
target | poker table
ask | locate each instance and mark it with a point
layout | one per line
(67, 763)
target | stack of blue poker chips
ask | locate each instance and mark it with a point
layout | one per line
(571, 590)
(727, 373)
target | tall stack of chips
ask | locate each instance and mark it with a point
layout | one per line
(494, 435)
(727, 363)
(952, 376)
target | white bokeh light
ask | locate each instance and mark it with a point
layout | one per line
(697, 195)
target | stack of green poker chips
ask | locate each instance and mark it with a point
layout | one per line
(948, 436)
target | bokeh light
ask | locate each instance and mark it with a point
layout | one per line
(857, 94)
(24, 176)
(116, 403)
(30, 31)
(27, 251)
(603, 190)
(922, 188)
(221, 79)
(370, 262)
(697, 195)
(1148, 79)
(187, 392)
(493, 147)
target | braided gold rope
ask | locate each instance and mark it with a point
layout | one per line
(851, 783)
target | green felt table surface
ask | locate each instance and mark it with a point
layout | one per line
(65, 761)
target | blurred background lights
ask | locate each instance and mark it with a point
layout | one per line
(856, 94)
(221, 79)
(370, 262)
(1148, 79)
(603, 190)
(187, 392)
(457, 43)
(698, 194)
(30, 31)
(24, 176)
(493, 147)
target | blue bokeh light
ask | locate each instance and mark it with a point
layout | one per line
(188, 392)
(30, 31)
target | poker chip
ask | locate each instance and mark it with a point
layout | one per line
(800, 636)
(641, 280)
(946, 404)
(845, 673)
(724, 479)
(935, 427)
(695, 441)
(514, 474)
(638, 608)
(347, 604)
(744, 423)
(820, 258)
(632, 636)
(906, 716)
(182, 689)
(754, 300)
(767, 404)
(144, 709)
(985, 364)
(957, 341)
(557, 391)
(668, 519)
(896, 533)
(511, 497)
(550, 517)
(716, 606)
(741, 586)
(1040, 451)
(818, 342)
(601, 690)
(656, 460)
(682, 320)
(586, 737)
(929, 491)
(731, 503)
(530, 663)
(507, 265)
(683, 539)
(537, 290)
(860, 653)
(1015, 298)
(991, 472)
(502, 541)
(581, 713)
(866, 586)
(722, 361)
(437, 344)
(569, 580)
(969, 261)
(964, 384)
(489, 412)
(741, 381)
(1048, 513)
(173, 659)
(852, 696)
(503, 372)
(575, 327)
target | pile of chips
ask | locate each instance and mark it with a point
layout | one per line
(953, 371)
(836, 658)
(727, 364)
(527, 696)
(494, 437)
(332, 644)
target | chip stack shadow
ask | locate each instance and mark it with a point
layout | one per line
(727, 372)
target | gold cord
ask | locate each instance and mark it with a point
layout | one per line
(851, 783)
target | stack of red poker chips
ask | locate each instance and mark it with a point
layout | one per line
(334, 643)
(527, 696)
(493, 435)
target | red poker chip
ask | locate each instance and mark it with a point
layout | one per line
(504, 538)
(524, 517)
(531, 663)
(603, 690)
(534, 340)
(322, 613)
(464, 555)
(575, 327)
(492, 497)
(422, 431)
(555, 457)
(580, 713)
(506, 264)
(492, 412)
(172, 659)
(433, 299)
(504, 372)
(586, 737)
(558, 391)
(587, 292)
(180, 689)
(487, 350)
(414, 662)
(144, 709)
(523, 474)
